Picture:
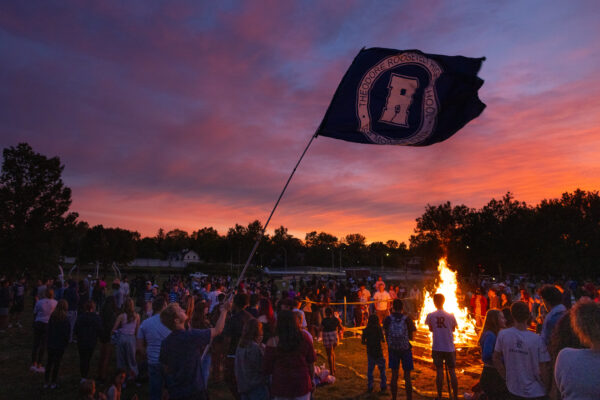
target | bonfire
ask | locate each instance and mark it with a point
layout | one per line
(465, 335)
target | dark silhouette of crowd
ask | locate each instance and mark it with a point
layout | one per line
(537, 340)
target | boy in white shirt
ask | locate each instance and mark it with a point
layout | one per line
(442, 325)
(521, 357)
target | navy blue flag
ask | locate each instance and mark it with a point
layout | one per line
(404, 98)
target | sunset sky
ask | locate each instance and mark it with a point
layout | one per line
(193, 114)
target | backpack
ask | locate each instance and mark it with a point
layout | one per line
(397, 333)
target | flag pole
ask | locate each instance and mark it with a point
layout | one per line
(264, 229)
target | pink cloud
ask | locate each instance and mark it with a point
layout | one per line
(185, 115)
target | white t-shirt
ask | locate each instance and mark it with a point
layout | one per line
(381, 300)
(153, 332)
(522, 352)
(303, 322)
(364, 295)
(124, 288)
(442, 325)
(576, 374)
(43, 310)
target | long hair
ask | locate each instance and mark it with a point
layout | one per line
(60, 312)
(585, 321)
(189, 309)
(372, 325)
(491, 323)
(129, 309)
(265, 308)
(198, 319)
(252, 331)
(288, 331)
(563, 336)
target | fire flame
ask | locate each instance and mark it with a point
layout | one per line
(465, 332)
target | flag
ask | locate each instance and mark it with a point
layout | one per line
(404, 97)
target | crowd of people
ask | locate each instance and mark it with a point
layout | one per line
(537, 340)
(528, 341)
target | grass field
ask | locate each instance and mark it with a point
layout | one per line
(17, 382)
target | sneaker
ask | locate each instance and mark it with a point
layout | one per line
(33, 368)
(53, 386)
(41, 370)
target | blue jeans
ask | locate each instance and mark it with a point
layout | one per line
(258, 393)
(156, 381)
(380, 362)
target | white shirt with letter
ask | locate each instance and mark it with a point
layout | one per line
(442, 324)
(522, 352)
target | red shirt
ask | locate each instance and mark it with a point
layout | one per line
(290, 374)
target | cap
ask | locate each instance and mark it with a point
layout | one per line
(148, 283)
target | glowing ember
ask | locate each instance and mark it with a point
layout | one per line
(465, 334)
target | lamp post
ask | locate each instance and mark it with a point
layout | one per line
(332, 263)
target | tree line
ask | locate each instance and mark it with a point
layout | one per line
(556, 236)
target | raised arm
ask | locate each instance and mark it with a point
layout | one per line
(221, 321)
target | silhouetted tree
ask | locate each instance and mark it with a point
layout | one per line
(35, 210)
(108, 245)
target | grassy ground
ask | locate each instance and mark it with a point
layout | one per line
(17, 382)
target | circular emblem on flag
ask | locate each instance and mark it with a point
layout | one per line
(397, 102)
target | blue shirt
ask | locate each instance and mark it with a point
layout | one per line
(488, 343)
(153, 332)
(173, 297)
(550, 321)
(181, 358)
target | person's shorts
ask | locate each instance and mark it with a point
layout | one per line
(439, 357)
(330, 339)
(404, 356)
